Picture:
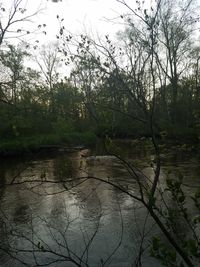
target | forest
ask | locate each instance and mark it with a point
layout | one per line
(84, 88)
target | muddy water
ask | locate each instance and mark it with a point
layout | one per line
(84, 222)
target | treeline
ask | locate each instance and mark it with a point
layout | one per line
(148, 79)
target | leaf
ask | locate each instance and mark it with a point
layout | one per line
(61, 31)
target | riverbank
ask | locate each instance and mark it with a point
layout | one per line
(25, 145)
(68, 141)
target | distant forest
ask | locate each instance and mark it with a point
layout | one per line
(147, 77)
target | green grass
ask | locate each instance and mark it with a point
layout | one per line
(19, 145)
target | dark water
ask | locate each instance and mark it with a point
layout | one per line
(90, 222)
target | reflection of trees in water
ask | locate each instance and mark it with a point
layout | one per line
(2, 181)
(96, 206)
(15, 219)
(3, 231)
(97, 199)
(86, 220)
(4, 246)
(65, 166)
(22, 214)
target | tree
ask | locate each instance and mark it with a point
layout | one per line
(177, 28)
(49, 62)
(12, 60)
(13, 16)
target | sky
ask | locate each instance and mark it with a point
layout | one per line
(91, 16)
(80, 16)
(79, 13)
(94, 17)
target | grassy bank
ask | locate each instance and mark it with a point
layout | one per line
(20, 145)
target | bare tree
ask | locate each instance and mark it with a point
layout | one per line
(13, 19)
(48, 60)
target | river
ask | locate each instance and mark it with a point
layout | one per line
(86, 221)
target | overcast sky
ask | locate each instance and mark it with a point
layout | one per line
(93, 16)
(81, 15)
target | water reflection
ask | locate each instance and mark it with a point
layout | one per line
(90, 221)
(2, 180)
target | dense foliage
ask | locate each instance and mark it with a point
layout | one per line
(112, 88)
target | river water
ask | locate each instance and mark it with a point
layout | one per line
(84, 222)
